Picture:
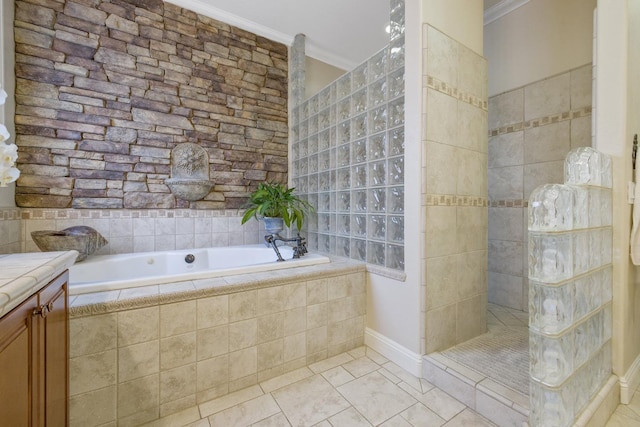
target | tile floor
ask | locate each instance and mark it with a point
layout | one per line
(353, 389)
(627, 415)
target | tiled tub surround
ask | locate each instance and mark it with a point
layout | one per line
(105, 89)
(454, 191)
(142, 230)
(11, 231)
(531, 129)
(348, 157)
(140, 354)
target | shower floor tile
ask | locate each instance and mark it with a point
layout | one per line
(490, 373)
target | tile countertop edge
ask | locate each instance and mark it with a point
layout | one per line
(27, 284)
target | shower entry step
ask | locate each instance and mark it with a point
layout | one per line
(489, 373)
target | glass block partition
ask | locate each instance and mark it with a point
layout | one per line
(570, 274)
(348, 157)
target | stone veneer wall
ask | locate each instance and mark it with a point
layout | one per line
(105, 90)
(531, 129)
(137, 355)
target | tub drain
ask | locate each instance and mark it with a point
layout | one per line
(189, 258)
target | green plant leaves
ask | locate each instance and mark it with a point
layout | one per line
(275, 200)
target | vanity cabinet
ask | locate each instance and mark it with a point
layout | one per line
(33, 359)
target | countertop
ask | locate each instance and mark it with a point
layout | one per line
(22, 275)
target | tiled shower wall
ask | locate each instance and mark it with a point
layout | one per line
(531, 129)
(454, 190)
(348, 157)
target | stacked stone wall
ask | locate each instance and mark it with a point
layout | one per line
(105, 90)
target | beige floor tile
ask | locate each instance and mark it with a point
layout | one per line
(396, 421)
(627, 411)
(277, 420)
(618, 420)
(324, 423)
(376, 357)
(394, 379)
(419, 415)
(442, 404)
(359, 352)
(338, 376)
(361, 366)
(285, 379)
(469, 418)
(404, 375)
(200, 423)
(377, 398)
(309, 401)
(187, 416)
(634, 405)
(332, 362)
(349, 417)
(229, 400)
(246, 413)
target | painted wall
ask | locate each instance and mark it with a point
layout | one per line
(617, 120)
(319, 74)
(538, 40)
(7, 195)
(458, 19)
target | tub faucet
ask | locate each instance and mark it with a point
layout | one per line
(298, 250)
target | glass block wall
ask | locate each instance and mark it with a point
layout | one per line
(348, 157)
(570, 273)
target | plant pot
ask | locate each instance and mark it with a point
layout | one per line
(273, 225)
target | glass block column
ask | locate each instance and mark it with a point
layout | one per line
(348, 157)
(570, 282)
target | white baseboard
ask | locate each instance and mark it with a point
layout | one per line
(395, 352)
(630, 381)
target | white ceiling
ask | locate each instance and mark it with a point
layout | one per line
(342, 33)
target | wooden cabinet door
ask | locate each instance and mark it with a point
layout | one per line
(18, 351)
(54, 340)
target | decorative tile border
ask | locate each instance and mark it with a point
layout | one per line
(455, 200)
(542, 121)
(10, 214)
(444, 87)
(510, 203)
(27, 214)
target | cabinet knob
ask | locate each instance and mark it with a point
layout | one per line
(43, 310)
(40, 311)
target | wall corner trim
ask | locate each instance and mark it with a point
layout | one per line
(630, 381)
(398, 354)
(499, 10)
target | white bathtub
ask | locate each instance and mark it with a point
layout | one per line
(112, 272)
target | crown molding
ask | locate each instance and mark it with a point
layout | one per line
(201, 6)
(328, 57)
(499, 10)
(316, 52)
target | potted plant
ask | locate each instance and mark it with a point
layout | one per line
(277, 205)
